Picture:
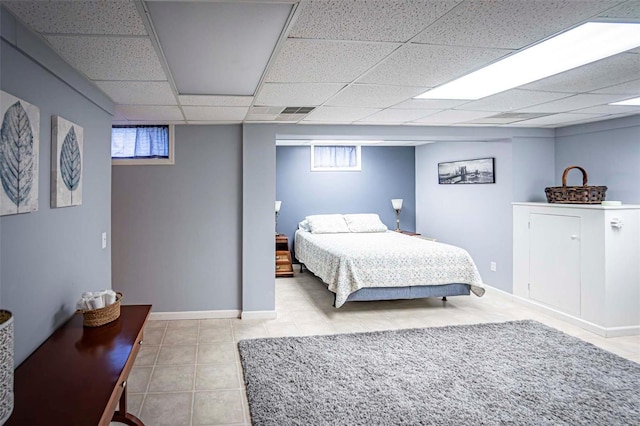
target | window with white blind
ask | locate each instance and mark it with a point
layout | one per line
(335, 158)
(144, 144)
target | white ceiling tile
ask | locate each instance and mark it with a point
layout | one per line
(453, 116)
(373, 20)
(266, 110)
(493, 120)
(429, 66)
(207, 113)
(111, 58)
(375, 96)
(512, 100)
(149, 112)
(630, 9)
(596, 75)
(631, 88)
(395, 115)
(555, 120)
(138, 92)
(429, 104)
(572, 103)
(508, 24)
(80, 17)
(212, 100)
(322, 61)
(339, 114)
(218, 47)
(296, 94)
(609, 109)
(261, 117)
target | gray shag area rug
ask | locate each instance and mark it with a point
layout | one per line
(519, 373)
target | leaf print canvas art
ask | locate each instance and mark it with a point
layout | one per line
(66, 163)
(19, 147)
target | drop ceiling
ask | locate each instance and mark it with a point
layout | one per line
(348, 61)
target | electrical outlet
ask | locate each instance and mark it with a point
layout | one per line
(493, 266)
(104, 240)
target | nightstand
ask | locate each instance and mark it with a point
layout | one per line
(284, 267)
(415, 234)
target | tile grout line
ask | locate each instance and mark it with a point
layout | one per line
(195, 375)
(153, 368)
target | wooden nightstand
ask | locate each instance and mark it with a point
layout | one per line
(284, 267)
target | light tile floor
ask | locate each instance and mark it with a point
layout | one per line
(188, 372)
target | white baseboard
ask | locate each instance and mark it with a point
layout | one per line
(192, 315)
(250, 315)
(632, 330)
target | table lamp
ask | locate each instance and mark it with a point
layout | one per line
(397, 206)
(278, 204)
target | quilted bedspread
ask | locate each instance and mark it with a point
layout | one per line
(348, 262)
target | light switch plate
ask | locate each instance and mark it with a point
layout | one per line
(104, 240)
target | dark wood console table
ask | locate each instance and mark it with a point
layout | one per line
(79, 374)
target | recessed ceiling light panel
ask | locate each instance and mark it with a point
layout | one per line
(582, 45)
(632, 102)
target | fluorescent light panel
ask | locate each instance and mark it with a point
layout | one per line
(632, 102)
(582, 45)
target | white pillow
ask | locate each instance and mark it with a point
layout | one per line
(304, 225)
(365, 222)
(327, 224)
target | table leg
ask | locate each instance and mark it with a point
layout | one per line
(121, 415)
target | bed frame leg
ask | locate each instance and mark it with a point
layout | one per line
(301, 267)
(444, 300)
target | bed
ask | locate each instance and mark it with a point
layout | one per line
(363, 260)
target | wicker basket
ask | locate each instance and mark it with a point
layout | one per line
(98, 317)
(575, 194)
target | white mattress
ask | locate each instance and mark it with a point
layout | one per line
(348, 262)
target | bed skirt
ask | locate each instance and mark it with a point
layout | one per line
(410, 292)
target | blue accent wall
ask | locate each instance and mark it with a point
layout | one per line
(387, 172)
(49, 257)
(610, 153)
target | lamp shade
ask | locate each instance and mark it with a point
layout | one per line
(278, 204)
(396, 203)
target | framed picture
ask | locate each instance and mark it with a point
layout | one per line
(467, 171)
(66, 162)
(19, 148)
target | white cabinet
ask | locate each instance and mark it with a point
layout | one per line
(580, 261)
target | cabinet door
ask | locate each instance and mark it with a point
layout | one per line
(554, 261)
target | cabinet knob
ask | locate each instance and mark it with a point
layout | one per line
(277, 267)
(575, 237)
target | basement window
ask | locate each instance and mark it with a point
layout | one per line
(142, 145)
(336, 158)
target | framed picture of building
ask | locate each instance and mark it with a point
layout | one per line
(479, 170)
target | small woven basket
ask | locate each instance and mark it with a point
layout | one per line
(575, 194)
(102, 316)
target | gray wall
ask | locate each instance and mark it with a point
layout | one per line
(610, 153)
(533, 167)
(177, 228)
(49, 257)
(474, 217)
(258, 196)
(387, 172)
